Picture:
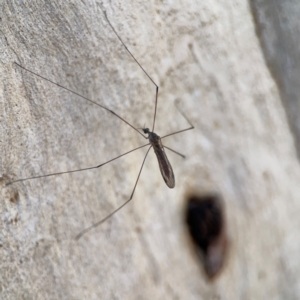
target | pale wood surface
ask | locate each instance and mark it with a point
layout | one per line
(212, 56)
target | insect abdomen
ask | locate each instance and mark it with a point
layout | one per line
(163, 162)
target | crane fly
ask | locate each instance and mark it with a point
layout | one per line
(155, 141)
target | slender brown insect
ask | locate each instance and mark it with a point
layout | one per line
(155, 141)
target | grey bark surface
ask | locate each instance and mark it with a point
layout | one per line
(216, 58)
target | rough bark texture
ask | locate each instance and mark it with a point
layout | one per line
(219, 59)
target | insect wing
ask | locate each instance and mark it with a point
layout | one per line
(165, 167)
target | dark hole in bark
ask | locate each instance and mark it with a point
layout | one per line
(205, 220)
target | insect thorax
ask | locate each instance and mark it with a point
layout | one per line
(154, 139)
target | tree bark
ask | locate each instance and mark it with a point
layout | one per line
(218, 59)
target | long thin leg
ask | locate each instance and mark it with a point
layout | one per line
(73, 171)
(156, 95)
(183, 156)
(189, 128)
(78, 236)
(87, 99)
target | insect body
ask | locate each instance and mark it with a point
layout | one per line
(164, 164)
